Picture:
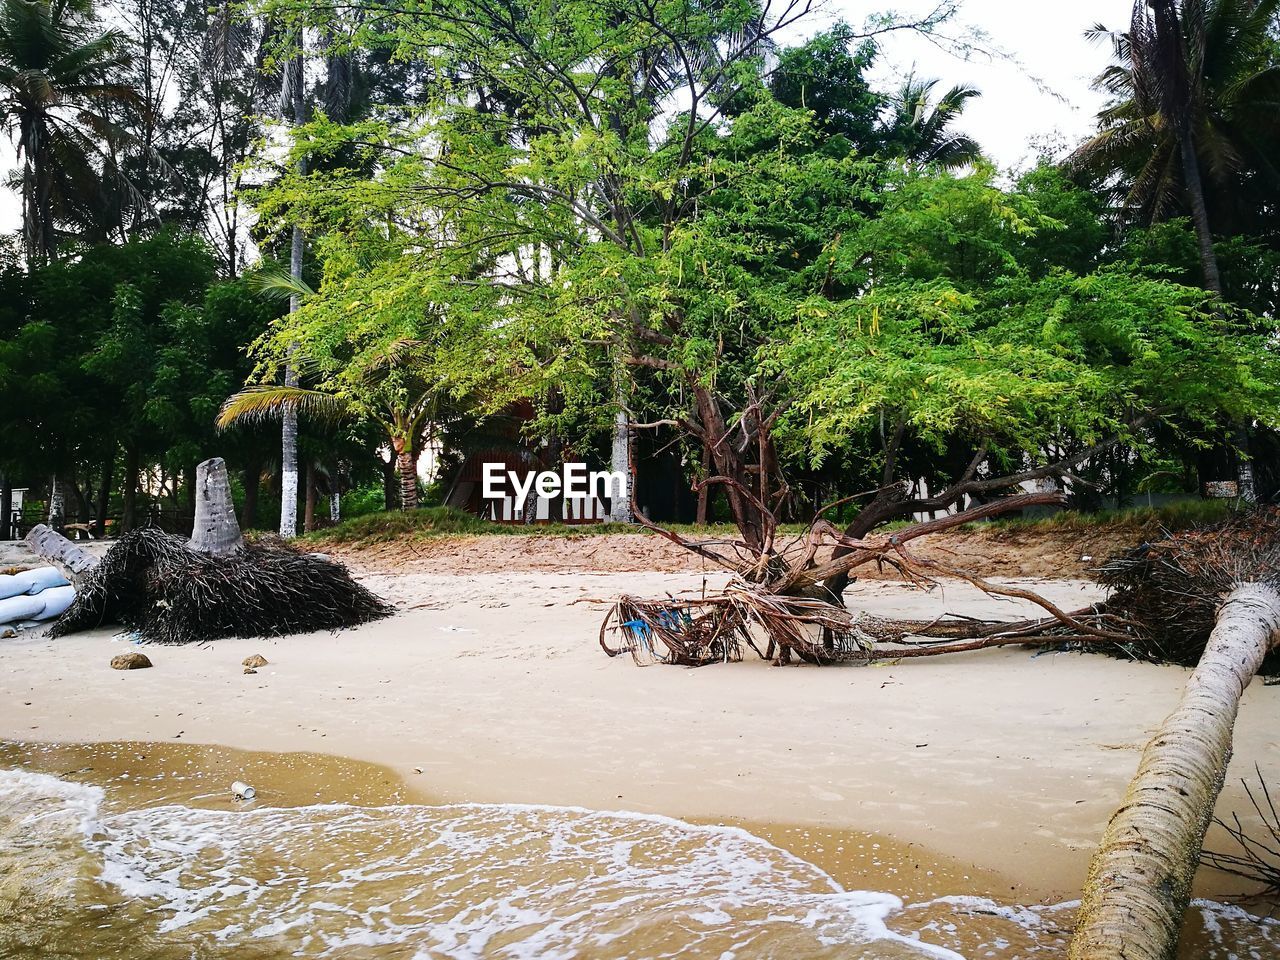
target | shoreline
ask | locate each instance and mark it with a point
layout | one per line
(150, 773)
(491, 688)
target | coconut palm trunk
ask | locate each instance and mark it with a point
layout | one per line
(1194, 185)
(215, 530)
(295, 80)
(407, 471)
(620, 460)
(1139, 882)
(39, 233)
(57, 503)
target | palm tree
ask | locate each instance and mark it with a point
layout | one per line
(56, 86)
(917, 128)
(390, 393)
(293, 103)
(1195, 116)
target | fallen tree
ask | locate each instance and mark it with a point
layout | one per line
(48, 543)
(170, 590)
(1140, 880)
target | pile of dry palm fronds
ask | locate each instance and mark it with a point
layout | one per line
(1168, 591)
(716, 629)
(152, 583)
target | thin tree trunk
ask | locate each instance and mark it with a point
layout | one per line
(252, 481)
(129, 504)
(620, 462)
(295, 74)
(309, 514)
(1245, 484)
(1199, 213)
(57, 503)
(81, 498)
(335, 493)
(193, 482)
(1139, 883)
(6, 507)
(390, 486)
(104, 494)
(704, 492)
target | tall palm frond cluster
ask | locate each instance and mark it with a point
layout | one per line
(57, 92)
(919, 127)
(1202, 71)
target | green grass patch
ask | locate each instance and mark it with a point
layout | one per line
(1183, 515)
(428, 522)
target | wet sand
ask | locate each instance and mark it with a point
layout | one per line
(139, 774)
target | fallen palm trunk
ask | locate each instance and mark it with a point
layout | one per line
(1139, 883)
(47, 543)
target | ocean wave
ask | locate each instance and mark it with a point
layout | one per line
(469, 881)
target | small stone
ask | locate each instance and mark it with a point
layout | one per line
(257, 660)
(130, 661)
(250, 670)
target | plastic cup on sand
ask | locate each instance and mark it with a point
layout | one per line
(242, 791)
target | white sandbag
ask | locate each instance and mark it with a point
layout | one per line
(45, 605)
(20, 608)
(56, 600)
(30, 582)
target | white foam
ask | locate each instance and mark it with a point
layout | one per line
(467, 880)
(44, 798)
(516, 880)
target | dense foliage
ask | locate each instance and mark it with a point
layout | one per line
(612, 219)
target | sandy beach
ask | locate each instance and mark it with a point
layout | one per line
(491, 687)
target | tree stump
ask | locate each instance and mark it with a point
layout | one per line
(216, 530)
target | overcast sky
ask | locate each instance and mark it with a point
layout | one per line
(1045, 94)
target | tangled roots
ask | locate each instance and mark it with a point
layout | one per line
(152, 583)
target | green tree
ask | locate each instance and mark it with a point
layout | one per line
(58, 70)
(118, 361)
(1193, 128)
(624, 219)
(918, 128)
(376, 349)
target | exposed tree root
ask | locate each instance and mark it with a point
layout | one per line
(152, 583)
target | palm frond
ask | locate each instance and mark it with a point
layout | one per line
(258, 403)
(276, 284)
